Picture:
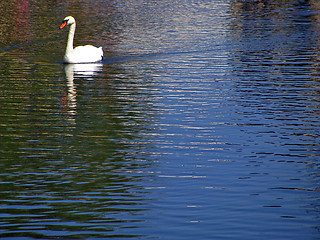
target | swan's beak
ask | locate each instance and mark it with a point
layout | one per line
(64, 23)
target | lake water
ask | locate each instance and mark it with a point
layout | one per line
(202, 121)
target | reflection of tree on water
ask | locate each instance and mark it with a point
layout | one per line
(80, 70)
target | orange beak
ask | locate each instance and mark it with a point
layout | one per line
(64, 23)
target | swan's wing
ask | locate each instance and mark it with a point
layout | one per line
(87, 53)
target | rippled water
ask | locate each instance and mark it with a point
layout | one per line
(202, 121)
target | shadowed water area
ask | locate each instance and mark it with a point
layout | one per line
(202, 121)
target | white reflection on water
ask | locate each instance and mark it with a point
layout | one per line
(87, 71)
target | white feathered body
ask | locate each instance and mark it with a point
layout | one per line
(84, 54)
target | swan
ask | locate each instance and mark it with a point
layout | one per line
(80, 54)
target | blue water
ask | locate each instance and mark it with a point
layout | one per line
(202, 121)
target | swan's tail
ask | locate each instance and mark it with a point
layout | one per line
(101, 52)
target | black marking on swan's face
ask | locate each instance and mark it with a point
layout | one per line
(67, 21)
(64, 23)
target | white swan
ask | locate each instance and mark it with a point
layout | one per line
(81, 54)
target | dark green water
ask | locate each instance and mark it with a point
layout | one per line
(202, 121)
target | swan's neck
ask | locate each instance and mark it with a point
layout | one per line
(72, 30)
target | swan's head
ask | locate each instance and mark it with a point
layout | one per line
(67, 21)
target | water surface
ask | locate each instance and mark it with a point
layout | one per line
(202, 121)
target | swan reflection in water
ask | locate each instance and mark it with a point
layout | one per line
(85, 71)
